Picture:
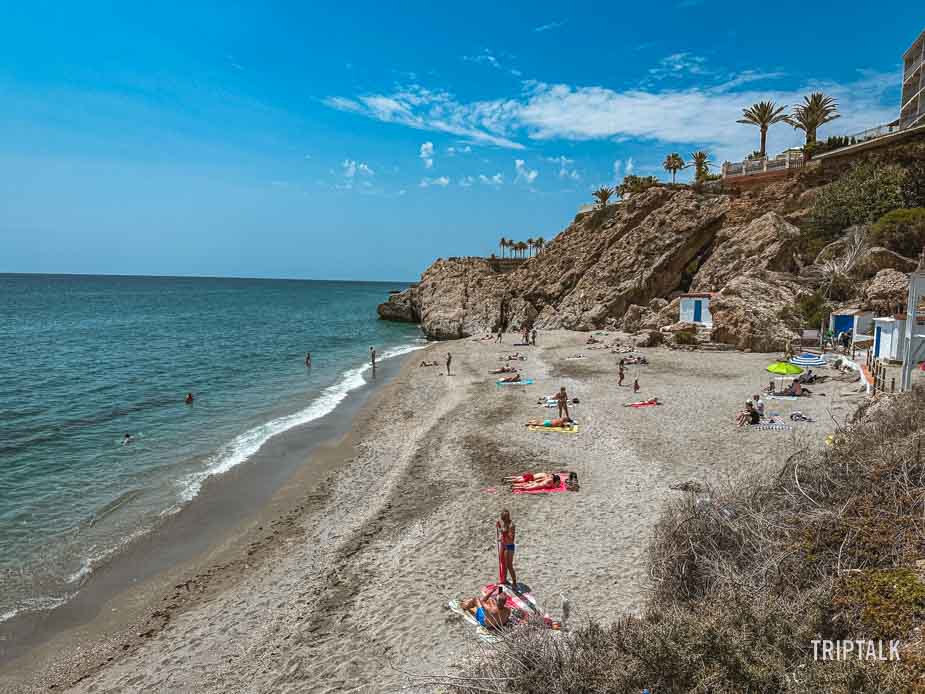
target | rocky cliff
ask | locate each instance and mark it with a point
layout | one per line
(625, 265)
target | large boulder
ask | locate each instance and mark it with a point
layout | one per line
(752, 310)
(878, 258)
(766, 243)
(399, 307)
(460, 297)
(625, 254)
(887, 291)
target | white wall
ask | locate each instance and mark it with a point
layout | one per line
(687, 311)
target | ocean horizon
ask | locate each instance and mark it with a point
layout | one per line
(90, 358)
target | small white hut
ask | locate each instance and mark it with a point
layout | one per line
(695, 308)
(851, 320)
(890, 335)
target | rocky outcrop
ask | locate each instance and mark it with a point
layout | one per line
(399, 307)
(887, 291)
(752, 311)
(877, 258)
(460, 297)
(766, 243)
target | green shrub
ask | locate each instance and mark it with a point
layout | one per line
(636, 184)
(813, 310)
(863, 195)
(901, 231)
(685, 338)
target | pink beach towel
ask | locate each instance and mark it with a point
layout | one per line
(561, 488)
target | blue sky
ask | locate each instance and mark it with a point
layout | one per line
(363, 140)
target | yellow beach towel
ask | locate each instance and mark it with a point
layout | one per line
(559, 430)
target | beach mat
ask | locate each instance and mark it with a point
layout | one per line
(557, 430)
(637, 405)
(771, 427)
(483, 633)
(782, 397)
(528, 382)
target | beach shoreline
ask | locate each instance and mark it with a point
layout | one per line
(322, 599)
(194, 554)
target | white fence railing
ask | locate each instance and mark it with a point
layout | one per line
(749, 167)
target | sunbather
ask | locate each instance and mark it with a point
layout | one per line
(505, 370)
(555, 423)
(510, 379)
(547, 482)
(489, 612)
(643, 403)
(428, 363)
(748, 416)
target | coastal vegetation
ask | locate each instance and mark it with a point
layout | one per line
(901, 231)
(746, 577)
(816, 110)
(672, 164)
(763, 115)
(603, 195)
(521, 248)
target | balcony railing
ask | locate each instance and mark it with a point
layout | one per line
(750, 167)
(909, 71)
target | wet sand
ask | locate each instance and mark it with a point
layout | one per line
(345, 589)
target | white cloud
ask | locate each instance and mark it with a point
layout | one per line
(427, 154)
(547, 27)
(630, 166)
(441, 181)
(617, 170)
(566, 167)
(485, 57)
(699, 117)
(466, 181)
(352, 168)
(495, 180)
(458, 150)
(524, 174)
(679, 65)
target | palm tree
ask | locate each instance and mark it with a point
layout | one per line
(531, 245)
(510, 246)
(700, 160)
(816, 110)
(673, 163)
(503, 244)
(540, 243)
(602, 195)
(523, 248)
(764, 114)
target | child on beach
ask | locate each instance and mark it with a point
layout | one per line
(635, 385)
(506, 533)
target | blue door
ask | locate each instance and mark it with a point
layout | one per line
(877, 342)
(843, 324)
(698, 311)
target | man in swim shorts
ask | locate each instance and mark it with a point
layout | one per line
(490, 612)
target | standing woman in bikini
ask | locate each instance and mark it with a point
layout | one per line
(506, 529)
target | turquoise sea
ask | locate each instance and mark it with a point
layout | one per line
(85, 360)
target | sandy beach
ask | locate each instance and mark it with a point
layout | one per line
(344, 587)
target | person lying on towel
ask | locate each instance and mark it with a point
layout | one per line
(489, 612)
(542, 480)
(429, 363)
(644, 403)
(510, 379)
(505, 370)
(557, 422)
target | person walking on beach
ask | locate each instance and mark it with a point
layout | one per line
(561, 399)
(500, 334)
(621, 372)
(635, 385)
(449, 359)
(372, 357)
(533, 337)
(507, 538)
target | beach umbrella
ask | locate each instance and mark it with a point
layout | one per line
(808, 359)
(784, 369)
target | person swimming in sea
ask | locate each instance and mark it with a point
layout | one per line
(189, 399)
(308, 359)
(127, 439)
